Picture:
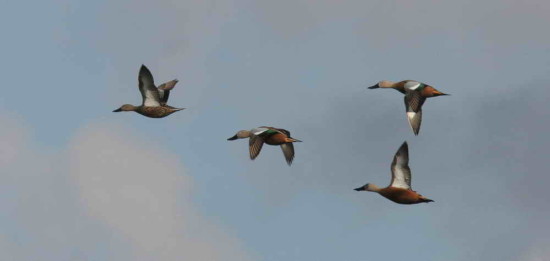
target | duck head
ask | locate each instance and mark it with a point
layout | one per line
(126, 107)
(242, 134)
(383, 84)
(368, 187)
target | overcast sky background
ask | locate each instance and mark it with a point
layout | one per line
(79, 182)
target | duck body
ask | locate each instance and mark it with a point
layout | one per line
(425, 90)
(274, 136)
(402, 196)
(416, 94)
(276, 139)
(270, 136)
(157, 111)
(154, 98)
(399, 190)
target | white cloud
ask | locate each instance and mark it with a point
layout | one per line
(111, 193)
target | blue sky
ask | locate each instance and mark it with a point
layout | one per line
(79, 182)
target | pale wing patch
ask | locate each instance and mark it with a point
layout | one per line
(413, 103)
(149, 92)
(415, 119)
(412, 85)
(258, 131)
(401, 173)
(151, 100)
(402, 178)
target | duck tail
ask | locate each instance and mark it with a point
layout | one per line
(427, 200)
(294, 140)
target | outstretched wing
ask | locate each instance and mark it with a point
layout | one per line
(288, 151)
(255, 144)
(401, 173)
(149, 93)
(413, 105)
(164, 90)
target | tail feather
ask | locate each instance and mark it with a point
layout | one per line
(427, 200)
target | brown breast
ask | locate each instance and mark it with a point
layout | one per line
(400, 195)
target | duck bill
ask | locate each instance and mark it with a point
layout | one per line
(360, 189)
(118, 110)
(233, 138)
(374, 86)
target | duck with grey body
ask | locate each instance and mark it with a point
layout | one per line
(154, 98)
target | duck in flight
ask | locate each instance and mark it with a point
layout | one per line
(154, 98)
(399, 190)
(271, 136)
(415, 95)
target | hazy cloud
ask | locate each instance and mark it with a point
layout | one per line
(109, 195)
(301, 65)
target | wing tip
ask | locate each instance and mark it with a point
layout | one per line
(403, 150)
(289, 161)
(144, 71)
